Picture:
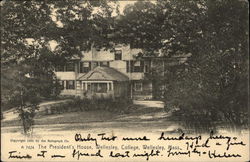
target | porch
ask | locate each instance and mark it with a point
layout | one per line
(97, 89)
(102, 82)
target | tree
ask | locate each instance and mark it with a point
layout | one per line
(209, 86)
(27, 31)
(84, 24)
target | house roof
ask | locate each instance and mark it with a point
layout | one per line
(104, 73)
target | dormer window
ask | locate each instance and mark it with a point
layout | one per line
(85, 67)
(135, 66)
(118, 54)
(138, 66)
(70, 66)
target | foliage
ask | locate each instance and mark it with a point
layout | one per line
(25, 50)
(215, 33)
(26, 38)
(27, 31)
(215, 77)
(82, 25)
(119, 105)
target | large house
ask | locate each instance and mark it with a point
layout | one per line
(106, 73)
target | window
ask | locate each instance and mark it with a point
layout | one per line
(61, 83)
(128, 66)
(118, 54)
(146, 69)
(70, 66)
(59, 68)
(85, 67)
(70, 84)
(110, 87)
(105, 63)
(138, 66)
(138, 86)
(135, 66)
(99, 87)
(94, 64)
(147, 66)
(83, 86)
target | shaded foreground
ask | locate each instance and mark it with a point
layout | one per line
(145, 116)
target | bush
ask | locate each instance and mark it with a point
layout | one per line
(197, 121)
(119, 105)
(203, 120)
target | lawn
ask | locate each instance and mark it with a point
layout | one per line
(69, 117)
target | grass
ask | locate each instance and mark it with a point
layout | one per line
(70, 117)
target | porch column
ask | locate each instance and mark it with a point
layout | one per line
(112, 86)
(86, 86)
(64, 84)
(131, 89)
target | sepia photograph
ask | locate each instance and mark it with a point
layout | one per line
(124, 80)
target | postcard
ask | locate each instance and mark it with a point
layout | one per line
(117, 80)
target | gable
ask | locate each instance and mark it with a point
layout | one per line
(104, 73)
(97, 76)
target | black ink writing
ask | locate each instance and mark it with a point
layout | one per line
(78, 154)
(126, 154)
(181, 137)
(224, 155)
(152, 153)
(78, 137)
(57, 156)
(15, 156)
(144, 138)
(107, 138)
(42, 154)
(173, 153)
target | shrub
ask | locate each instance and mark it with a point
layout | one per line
(118, 105)
(199, 121)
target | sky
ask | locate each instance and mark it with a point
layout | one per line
(124, 3)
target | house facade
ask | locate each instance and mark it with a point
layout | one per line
(106, 73)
